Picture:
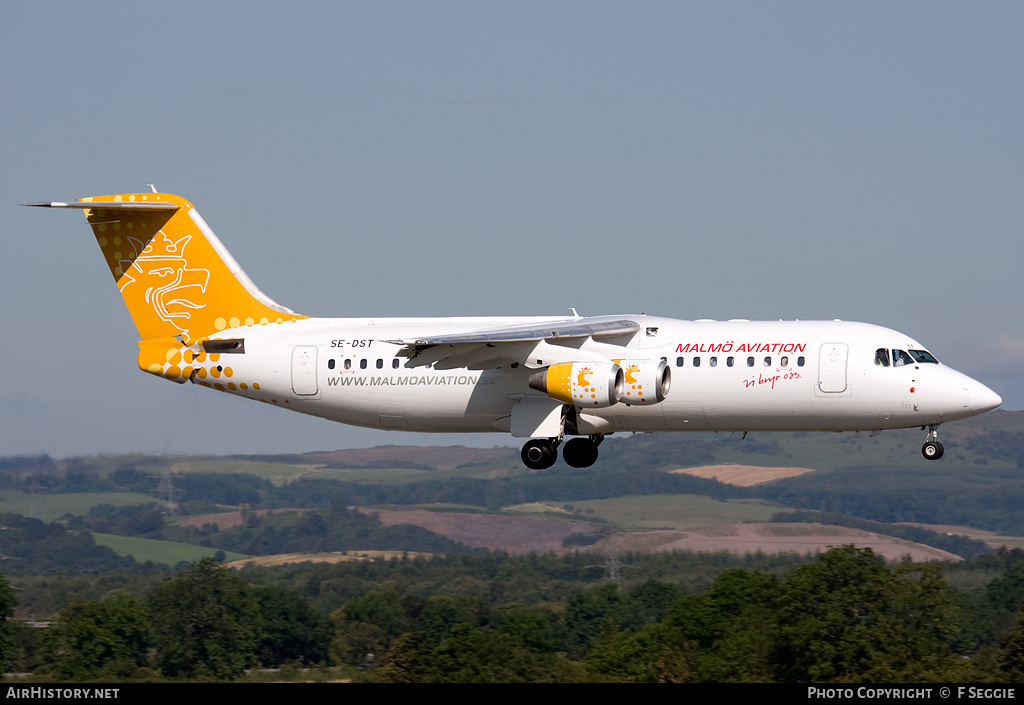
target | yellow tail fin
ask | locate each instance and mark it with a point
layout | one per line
(177, 279)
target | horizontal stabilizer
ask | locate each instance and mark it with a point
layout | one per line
(111, 205)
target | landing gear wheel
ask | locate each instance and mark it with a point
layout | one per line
(932, 450)
(539, 454)
(580, 453)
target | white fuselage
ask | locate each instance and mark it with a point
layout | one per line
(726, 376)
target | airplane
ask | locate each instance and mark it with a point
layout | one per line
(563, 381)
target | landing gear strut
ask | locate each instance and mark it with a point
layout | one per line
(932, 449)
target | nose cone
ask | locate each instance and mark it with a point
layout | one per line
(982, 399)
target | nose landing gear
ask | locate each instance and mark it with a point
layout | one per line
(932, 449)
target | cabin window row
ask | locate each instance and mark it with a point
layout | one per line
(731, 361)
(348, 363)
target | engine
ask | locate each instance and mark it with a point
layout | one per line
(646, 381)
(584, 384)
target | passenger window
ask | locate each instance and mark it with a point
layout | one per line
(394, 364)
(784, 361)
(696, 362)
(380, 364)
(330, 364)
(362, 364)
(679, 362)
(882, 357)
(768, 362)
(800, 361)
(348, 364)
(750, 362)
(730, 360)
(714, 362)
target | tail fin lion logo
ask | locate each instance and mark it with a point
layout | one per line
(171, 286)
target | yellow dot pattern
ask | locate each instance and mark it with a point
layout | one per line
(573, 383)
(633, 390)
(169, 359)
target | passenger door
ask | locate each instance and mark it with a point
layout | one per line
(832, 368)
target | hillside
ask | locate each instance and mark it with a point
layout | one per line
(716, 491)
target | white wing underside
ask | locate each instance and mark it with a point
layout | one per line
(530, 345)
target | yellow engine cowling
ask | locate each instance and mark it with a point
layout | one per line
(646, 381)
(584, 384)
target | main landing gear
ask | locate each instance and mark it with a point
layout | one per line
(541, 453)
(932, 449)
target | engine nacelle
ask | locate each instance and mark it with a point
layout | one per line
(584, 384)
(646, 381)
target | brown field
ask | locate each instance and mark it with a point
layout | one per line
(512, 534)
(742, 475)
(774, 538)
(437, 458)
(520, 535)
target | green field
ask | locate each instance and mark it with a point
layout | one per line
(169, 552)
(50, 507)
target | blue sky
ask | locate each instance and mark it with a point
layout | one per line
(788, 160)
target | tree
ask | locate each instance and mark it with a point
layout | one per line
(409, 660)
(366, 626)
(106, 638)
(654, 654)
(731, 628)
(292, 629)
(848, 617)
(206, 622)
(8, 600)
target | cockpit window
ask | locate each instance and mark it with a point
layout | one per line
(882, 357)
(923, 356)
(900, 358)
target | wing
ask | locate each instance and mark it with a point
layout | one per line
(494, 347)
